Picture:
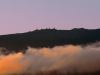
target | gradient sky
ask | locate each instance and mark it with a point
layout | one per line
(17, 16)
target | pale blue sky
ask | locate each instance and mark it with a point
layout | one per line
(17, 16)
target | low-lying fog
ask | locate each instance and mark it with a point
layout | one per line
(64, 59)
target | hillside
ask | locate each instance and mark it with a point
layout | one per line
(49, 38)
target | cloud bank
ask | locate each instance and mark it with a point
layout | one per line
(63, 59)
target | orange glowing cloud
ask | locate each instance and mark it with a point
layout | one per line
(61, 58)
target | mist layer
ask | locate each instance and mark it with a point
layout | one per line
(63, 59)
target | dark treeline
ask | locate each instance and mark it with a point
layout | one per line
(49, 38)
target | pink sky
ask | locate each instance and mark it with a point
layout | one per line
(17, 16)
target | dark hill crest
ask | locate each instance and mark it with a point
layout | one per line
(49, 38)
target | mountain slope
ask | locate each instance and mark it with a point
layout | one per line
(49, 38)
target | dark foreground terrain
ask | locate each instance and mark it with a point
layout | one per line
(49, 38)
(56, 73)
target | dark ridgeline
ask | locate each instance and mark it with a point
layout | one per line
(49, 38)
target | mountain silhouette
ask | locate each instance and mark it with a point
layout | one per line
(49, 38)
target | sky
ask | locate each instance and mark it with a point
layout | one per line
(18, 16)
